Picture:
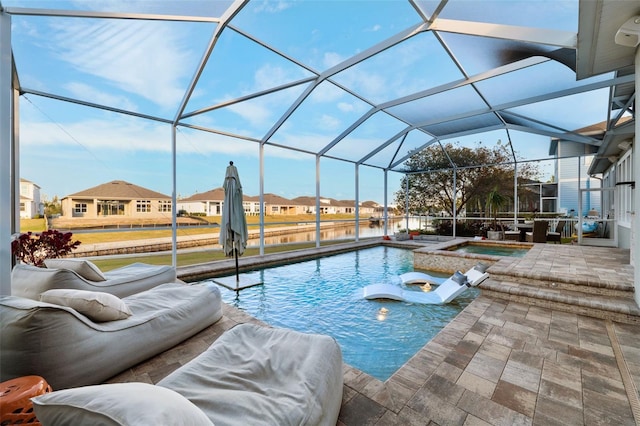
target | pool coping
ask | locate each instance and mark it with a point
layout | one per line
(219, 268)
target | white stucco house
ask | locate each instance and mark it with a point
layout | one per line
(30, 204)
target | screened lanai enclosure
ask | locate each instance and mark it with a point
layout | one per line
(330, 98)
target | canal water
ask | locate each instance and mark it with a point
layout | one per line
(344, 232)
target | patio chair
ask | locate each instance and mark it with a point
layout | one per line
(539, 232)
(512, 234)
(556, 236)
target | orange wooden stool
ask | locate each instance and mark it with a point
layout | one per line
(15, 399)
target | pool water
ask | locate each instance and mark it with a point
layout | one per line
(492, 250)
(324, 296)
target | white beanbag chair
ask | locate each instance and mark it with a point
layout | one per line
(258, 375)
(70, 349)
(30, 281)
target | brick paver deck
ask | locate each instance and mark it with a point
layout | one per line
(498, 362)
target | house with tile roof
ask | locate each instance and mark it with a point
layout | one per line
(333, 206)
(209, 203)
(116, 198)
(277, 205)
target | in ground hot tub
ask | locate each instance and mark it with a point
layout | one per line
(461, 255)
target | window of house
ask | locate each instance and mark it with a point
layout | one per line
(110, 208)
(80, 208)
(274, 209)
(624, 173)
(164, 206)
(23, 207)
(143, 206)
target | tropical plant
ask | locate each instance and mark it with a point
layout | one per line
(495, 200)
(35, 248)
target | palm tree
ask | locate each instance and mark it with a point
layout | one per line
(495, 200)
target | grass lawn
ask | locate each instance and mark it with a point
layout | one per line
(33, 225)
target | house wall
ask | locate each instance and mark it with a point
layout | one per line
(139, 209)
(572, 175)
(192, 206)
(30, 204)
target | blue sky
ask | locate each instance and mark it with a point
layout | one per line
(146, 66)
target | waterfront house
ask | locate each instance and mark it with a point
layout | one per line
(116, 198)
(208, 203)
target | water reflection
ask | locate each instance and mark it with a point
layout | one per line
(338, 233)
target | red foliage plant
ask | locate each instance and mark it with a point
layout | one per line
(35, 248)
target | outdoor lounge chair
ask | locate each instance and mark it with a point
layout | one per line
(30, 281)
(556, 236)
(79, 340)
(512, 234)
(539, 232)
(251, 375)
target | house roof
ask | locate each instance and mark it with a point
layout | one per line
(275, 199)
(216, 194)
(118, 189)
(22, 180)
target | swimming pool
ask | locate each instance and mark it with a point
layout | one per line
(489, 249)
(324, 296)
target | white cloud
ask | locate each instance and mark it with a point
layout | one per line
(260, 112)
(133, 135)
(372, 84)
(268, 76)
(145, 58)
(86, 92)
(24, 28)
(328, 122)
(271, 6)
(346, 107)
(331, 59)
(256, 112)
(95, 134)
(326, 92)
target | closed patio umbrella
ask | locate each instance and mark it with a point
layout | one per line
(233, 226)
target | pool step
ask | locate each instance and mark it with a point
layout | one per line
(593, 286)
(620, 307)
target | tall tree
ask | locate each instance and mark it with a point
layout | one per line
(479, 170)
(52, 207)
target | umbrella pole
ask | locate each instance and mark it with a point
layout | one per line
(235, 251)
(237, 269)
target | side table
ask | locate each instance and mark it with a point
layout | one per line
(15, 399)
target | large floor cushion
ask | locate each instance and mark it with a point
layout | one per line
(30, 281)
(259, 375)
(68, 349)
